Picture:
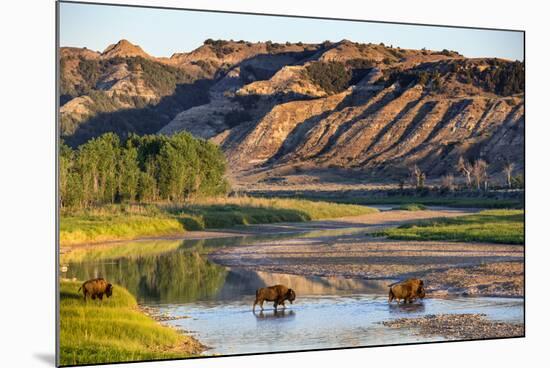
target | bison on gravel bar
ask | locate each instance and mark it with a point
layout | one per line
(408, 291)
(96, 288)
(277, 294)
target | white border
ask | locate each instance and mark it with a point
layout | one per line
(27, 181)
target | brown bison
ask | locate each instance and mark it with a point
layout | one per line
(408, 290)
(96, 288)
(277, 294)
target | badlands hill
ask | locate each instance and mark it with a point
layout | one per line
(280, 109)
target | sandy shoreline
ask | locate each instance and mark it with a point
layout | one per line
(458, 326)
(374, 221)
(448, 268)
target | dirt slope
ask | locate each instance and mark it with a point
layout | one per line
(286, 109)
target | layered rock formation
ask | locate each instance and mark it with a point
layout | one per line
(282, 108)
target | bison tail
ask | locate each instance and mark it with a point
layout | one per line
(80, 288)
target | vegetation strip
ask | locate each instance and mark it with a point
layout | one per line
(493, 226)
(114, 330)
(120, 222)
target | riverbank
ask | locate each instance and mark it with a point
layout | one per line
(494, 226)
(114, 330)
(371, 194)
(458, 326)
(448, 267)
(126, 222)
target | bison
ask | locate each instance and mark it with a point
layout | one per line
(277, 294)
(96, 288)
(408, 290)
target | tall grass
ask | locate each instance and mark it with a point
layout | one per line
(113, 330)
(123, 222)
(493, 226)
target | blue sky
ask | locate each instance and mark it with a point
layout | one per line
(162, 32)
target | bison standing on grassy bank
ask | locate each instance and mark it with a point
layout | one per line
(408, 290)
(277, 294)
(96, 288)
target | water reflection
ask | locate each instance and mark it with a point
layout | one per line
(178, 276)
(278, 314)
(239, 283)
(180, 272)
(416, 307)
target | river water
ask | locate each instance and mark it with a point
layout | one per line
(215, 302)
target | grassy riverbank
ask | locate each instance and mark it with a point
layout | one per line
(427, 197)
(493, 226)
(457, 202)
(114, 330)
(123, 222)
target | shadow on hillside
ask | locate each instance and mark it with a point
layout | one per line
(146, 120)
(150, 119)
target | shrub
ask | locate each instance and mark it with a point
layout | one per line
(331, 76)
(500, 77)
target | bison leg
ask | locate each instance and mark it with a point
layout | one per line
(262, 304)
(100, 296)
(283, 304)
(275, 305)
(254, 306)
(390, 297)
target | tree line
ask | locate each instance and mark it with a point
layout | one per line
(145, 168)
(475, 173)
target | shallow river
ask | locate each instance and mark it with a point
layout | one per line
(215, 302)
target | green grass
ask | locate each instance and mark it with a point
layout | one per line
(489, 203)
(87, 228)
(492, 226)
(113, 330)
(411, 207)
(124, 222)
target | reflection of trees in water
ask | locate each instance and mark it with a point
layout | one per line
(173, 277)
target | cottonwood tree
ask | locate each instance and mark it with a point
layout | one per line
(418, 177)
(479, 172)
(465, 167)
(146, 168)
(65, 163)
(507, 170)
(128, 174)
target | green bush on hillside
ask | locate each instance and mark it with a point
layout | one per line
(331, 76)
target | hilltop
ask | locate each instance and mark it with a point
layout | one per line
(289, 110)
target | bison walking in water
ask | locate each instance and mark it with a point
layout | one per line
(408, 290)
(96, 288)
(277, 294)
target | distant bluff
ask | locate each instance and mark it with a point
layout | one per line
(276, 108)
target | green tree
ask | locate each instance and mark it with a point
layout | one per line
(128, 173)
(98, 164)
